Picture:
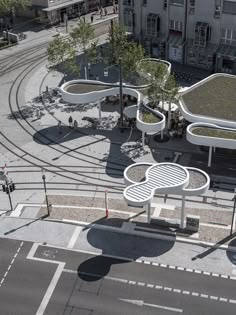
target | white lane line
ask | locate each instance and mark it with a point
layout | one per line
(223, 299)
(215, 274)
(10, 265)
(141, 284)
(74, 237)
(195, 294)
(212, 297)
(49, 292)
(177, 291)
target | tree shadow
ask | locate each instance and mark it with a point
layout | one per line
(212, 249)
(118, 245)
(115, 160)
(230, 254)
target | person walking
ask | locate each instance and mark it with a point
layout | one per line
(59, 127)
(75, 124)
(105, 11)
(70, 120)
(91, 18)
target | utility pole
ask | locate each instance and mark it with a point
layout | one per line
(45, 189)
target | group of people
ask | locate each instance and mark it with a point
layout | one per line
(177, 125)
(72, 124)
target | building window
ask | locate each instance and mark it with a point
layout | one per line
(128, 20)
(217, 9)
(228, 36)
(128, 2)
(165, 4)
(191, 6)
(153, 25)
(176, 25)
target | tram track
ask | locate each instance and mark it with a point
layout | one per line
(37, 159)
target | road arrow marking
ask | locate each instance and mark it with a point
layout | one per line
(141, 303)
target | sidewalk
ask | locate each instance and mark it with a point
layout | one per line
(214, 224)
(38, 34)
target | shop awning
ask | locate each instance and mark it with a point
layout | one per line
(62, 5)
(226, 51)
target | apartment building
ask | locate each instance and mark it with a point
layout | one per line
(194, 32)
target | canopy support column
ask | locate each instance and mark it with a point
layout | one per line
(210, 157)
(182, 226)
(148, 210)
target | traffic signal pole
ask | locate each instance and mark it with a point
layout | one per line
(9, 195)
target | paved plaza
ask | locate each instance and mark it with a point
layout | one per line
(132, 257)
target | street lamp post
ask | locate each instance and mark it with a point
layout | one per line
(121, 93)
(232, 223)
(45, 189)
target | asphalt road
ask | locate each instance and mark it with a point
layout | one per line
(37, 279)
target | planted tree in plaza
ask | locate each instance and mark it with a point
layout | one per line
(62, 53)
(82, 36)
(155, 74)
(120, 47)
(170, 93)
(8, 8)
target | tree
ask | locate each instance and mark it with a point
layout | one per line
(120, 47)
(155, 73)
(82, 36)
(117, 42)
(170, 92)
(8, 7)
(131, 56)
(61, 52)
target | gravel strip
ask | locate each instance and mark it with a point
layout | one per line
(196, 180)
(137, 173)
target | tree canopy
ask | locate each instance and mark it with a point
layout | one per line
(61, 52)
(7, 6)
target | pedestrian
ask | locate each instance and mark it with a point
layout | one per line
(59, 127)
(91, 18)
(114, 10)
(97, 77)
(101, 12)
(75, 124)
(105, 11)
(70, 120)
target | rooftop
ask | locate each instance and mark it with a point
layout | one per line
(213, 97)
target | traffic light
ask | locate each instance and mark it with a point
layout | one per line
(13, 186)
(4, 188)
(7, 190)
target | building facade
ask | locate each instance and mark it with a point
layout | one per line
(193, 32)
(55, 11)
